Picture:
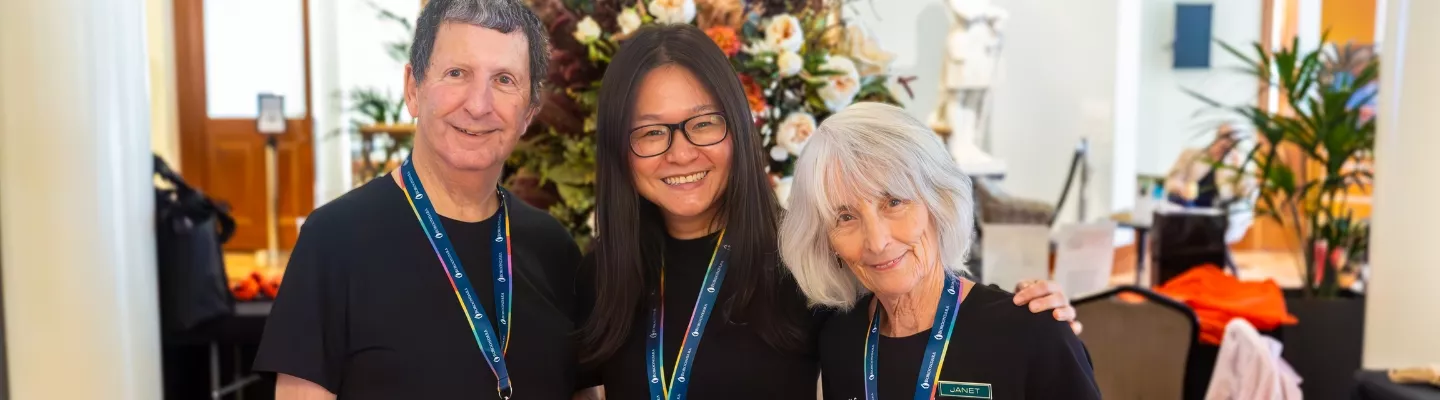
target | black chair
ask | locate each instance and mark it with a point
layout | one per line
(1184, 240)
(1139, 350)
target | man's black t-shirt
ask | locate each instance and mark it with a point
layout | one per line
(732, 362)
(1020, 355)
(367, 312)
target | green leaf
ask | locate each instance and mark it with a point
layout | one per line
(815, 102)
(1283, 178)
(761, 64)
(576, 197)
(1239, 54)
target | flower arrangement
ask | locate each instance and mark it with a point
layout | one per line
(799, 61)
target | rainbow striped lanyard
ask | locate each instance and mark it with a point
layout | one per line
(704, 307)
(939, 344)
(492, 346)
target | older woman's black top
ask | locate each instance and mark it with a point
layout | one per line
(1019, 354)
(732, 362)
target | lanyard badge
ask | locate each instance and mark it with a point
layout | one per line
(493, 342)
(935, 350)
(704, 308)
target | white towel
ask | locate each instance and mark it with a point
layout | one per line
(1249, 367)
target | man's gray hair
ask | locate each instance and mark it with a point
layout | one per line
(505, 16)
(865, 152)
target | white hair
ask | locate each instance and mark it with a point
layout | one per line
(867, 151)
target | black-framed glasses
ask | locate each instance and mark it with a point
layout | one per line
(701, 130)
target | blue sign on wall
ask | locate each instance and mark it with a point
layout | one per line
(1192, 35)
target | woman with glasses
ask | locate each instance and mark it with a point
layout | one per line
(686, 250)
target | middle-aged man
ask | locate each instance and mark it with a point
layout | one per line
(368, 309)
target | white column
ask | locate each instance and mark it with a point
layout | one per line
(1124, 154)
(76, 209)
(331, 144)
(1400, 323)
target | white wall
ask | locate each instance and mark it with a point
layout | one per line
(81, 312)
(1056, 85)
(347, 52)
(1170, 119)
(1057, 82)
(1400, 327)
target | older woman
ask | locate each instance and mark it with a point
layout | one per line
(879, 225)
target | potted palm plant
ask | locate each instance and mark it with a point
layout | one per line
(1314, 152)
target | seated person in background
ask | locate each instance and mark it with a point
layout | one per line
(1195, 182)
(880, 222)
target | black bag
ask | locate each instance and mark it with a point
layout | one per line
(189, 230)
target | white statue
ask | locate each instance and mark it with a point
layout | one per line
(972, 50)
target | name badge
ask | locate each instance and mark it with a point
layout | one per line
(964, 390)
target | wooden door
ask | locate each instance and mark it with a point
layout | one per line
(222, 153)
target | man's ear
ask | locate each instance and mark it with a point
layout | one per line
(412, 88)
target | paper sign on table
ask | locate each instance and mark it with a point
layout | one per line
(1085, 256)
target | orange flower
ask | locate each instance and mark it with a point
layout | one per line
(753, 94)
(726, 38)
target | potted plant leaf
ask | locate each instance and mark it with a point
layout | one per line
(385, 135)
(1314, 152)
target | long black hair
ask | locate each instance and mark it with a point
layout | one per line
(631, 230)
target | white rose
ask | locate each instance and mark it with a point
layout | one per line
(794, 131)
(866, 52)
(778, 153)
(673, 11)
(629, 20)
(790, 63)
(783, 33)
(782, 191)
(587, 31)
(839, 90)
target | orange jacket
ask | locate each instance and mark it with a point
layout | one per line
(1217, 298)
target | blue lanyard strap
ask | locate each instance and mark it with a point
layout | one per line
(493, 342)
(939, 344)
(704, 307)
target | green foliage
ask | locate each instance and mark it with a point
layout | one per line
(1327, 133)
(399, 50)
(375, 108)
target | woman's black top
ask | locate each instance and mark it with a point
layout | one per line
(732, 361)
(996, 347)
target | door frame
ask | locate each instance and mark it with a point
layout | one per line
(195, 123)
